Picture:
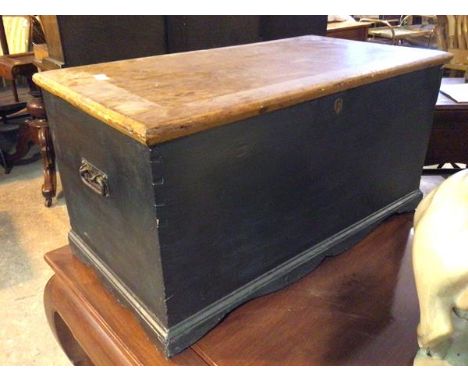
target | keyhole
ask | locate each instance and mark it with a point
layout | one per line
(338, 105)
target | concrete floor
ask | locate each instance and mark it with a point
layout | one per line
(27, 231)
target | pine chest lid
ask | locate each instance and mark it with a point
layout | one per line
(159, 98)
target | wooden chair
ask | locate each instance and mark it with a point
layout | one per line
(404, 32)
(13, 66)
(452, 36)
(12, 115)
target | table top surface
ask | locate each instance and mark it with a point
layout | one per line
(357, 308)
(18, 59)
(159, 98)
(348, 24)
(399, 32)
(444, 102)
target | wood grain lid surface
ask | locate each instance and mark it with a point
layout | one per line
(159, 98)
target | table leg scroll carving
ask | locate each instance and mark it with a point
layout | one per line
(52, 295)
(79, 331)
(40, 124)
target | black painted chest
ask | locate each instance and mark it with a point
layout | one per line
(197, 181)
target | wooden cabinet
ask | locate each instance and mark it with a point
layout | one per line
(82, 40)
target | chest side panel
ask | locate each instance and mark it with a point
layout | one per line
(120, 229)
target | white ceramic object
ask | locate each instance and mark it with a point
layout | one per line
(440, 261)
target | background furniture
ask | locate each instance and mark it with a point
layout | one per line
(452, 36)
(18, 64)
(22, 32)
(359, 308)
(404, 32)
(449, 137)
(14, 65)
(38, 124)
(81, 40)
(17, 34)
(8, 133)
(348, 30)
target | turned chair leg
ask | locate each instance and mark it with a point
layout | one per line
(15, 90)
(4, 163)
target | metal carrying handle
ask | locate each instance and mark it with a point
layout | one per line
(94, 178)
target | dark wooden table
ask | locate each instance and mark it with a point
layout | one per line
(449, 137)
(348, 30)
(358, 308)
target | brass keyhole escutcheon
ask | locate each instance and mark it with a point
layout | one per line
(338, 105)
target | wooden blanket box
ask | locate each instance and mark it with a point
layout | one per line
(196, 181)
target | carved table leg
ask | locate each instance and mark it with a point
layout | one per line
(53, 294)
(39, 122)
(80, 330)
